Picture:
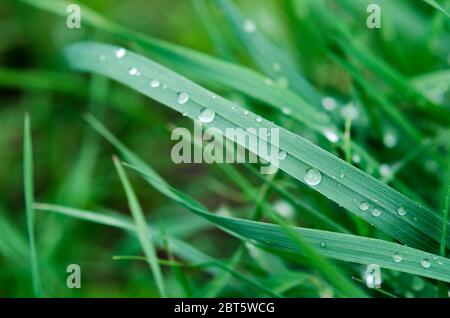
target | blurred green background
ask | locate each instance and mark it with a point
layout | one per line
(73, 164)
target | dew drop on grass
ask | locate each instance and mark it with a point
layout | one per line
(331, 135)
(102, 57)
(121, 52)
(425, 263)
(206, 115)
(397, 257)
(258, 119)
(133, 71)
(182, 98)
(401, 211)
(282, 155)
(329, 103)
(390, 139)
(276, 67)
(245, 112)
(323, 244)
(155, 83)
(286, 111)
(364, 206)
(356, 158)
(417, 283)
(249, 26)
(376, 212)
(313, 177)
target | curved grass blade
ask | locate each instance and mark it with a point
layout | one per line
(341, 182)
(181, 248)
(275, 63)
(29, 200)
(437, 6)
(142, 229)
(338, 246)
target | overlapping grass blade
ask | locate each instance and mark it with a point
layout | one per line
(29, 200)
(142, 228)
(275, 62)
(181, 248)
(341, 182)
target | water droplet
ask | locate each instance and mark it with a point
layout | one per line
(390, 139)
(397, 257)
(282, 155)
(102, 57)
(376, 212)
(233, 108)
(155, 83)
(184, 114)
(425, 263)
(206, 115)
(401, 211)
(276, 67)
(385, 170)
(258, 119)
(284, 208)
(356, 158)
(331, 135)
(282, 81)
(329, 103)
(341, 175)
(133, 71)
(313, 177)
(249, 26)
(182, 98)
(323, 244)
(417, 283)
(415, 218)
(364, 206)
(286, 111)
(349, 112)
(268, 81)
(121, 52)
(246, 112)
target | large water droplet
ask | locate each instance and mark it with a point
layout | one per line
(425, 263)
(155, 83)
(249, 26)
(313, 177)
(397, 257)
(282, 155)
(182, 98)
(376, 212)
(206, 115)
(401, 211)
(364, 206)
(121, 52)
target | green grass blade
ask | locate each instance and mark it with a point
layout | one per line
(273, 61)
(343, 247)
(143, 232)
(341, 182)
(181, 248)
(437, 6)
(29, 200)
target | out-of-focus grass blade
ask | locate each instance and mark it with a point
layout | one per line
(437, 6)
(340, 182)
(141, 225)
(181, 248)
(276, 63)
(29, 200)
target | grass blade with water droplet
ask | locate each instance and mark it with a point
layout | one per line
(419, 227)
